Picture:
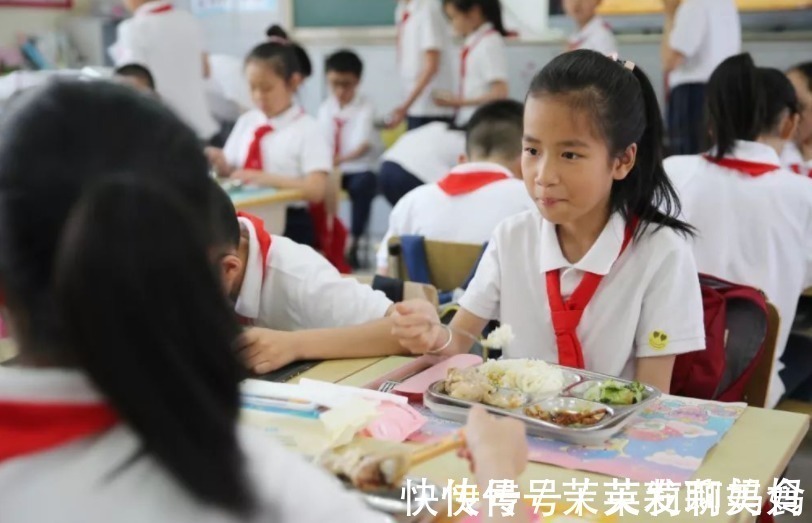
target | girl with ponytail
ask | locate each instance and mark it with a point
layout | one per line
(600, 276)
(754, 218)
(483, 74)
(124, 405)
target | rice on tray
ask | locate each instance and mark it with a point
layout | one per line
(529, 376)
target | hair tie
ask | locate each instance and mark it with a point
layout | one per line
(628, 64)
(278, 40)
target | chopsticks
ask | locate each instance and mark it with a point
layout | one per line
(449, 443)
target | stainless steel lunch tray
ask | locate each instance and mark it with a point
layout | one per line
(616, 418)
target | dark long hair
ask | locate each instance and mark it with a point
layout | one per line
(744, 101)
(491, 10)
(278, 36)
(105, 221)
(623, 107)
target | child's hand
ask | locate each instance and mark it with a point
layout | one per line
(217, 159)
(496, 447)
(248, 176)
(417, 326)
(397, 116)
(265, 350)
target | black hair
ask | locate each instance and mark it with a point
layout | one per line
(744, 101)
(806, 70)
(344, 61)
(491, 10)
(624, 110)
(277, 35)
(136, 71)
(104, 264)
(226, 226)
(495, 129)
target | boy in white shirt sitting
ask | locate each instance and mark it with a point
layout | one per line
(346, 118)
(297, 305)
(479, 193)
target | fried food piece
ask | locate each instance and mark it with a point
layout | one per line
(566, 418)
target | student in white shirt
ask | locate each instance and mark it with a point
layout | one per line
(346, 118)
(604, 243)
(423, 155)
(278, 144)
(479, 193)
(124, 402)
(169, 42)
(299, 305)
(136, 76)
(483, 63)
(797, 153)
(697, 36)
(424, 61)
(593, 31)
(753, 218)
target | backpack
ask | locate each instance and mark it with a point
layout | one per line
(735, 331)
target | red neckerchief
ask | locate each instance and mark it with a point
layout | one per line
(754, 169)
(566, 315)
(455, 184)
(161, 9)
(401, 23)
(29, 428)
(466, 50)
(264, 239)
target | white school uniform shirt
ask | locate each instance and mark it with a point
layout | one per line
(706, 32)
(358, 117)
(485, 63)
(299, 289)
(428, 152)
(596, 35)
(170, 44)
(793, 160)
(108, 477)
(652, 286)
(295, 148)
(752, 231)
(428, 211)
(425, 29)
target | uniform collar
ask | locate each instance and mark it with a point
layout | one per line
(480, 167)
(287, 117)
(753, 152)
(590, 28)
(47, 385)
(147, 8)
(478, 34)
(600, 257)
(248, 301)
(348, 110)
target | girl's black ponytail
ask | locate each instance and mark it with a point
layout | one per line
(491, 10)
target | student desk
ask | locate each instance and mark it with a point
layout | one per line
(266, 203)
(758, 446)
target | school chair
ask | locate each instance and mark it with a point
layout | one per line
(410, 290)
(390, 136)
(8, 349)
(755, 392)
(449, 264)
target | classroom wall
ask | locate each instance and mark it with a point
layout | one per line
(15, 21)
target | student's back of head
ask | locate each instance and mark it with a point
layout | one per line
(105, 224)
(494, 132)
(745, 102)
(137, 76)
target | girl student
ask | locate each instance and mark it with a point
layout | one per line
(754, 219)
(596, 277)
(123, 405)
(483, 73)
(277, 144)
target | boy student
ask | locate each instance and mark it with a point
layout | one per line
(593, 31)
(169, 42)
(478, 193)
(347, 120)
(279, 286)
(136, 76)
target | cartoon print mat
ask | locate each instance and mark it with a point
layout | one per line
(668, 440)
